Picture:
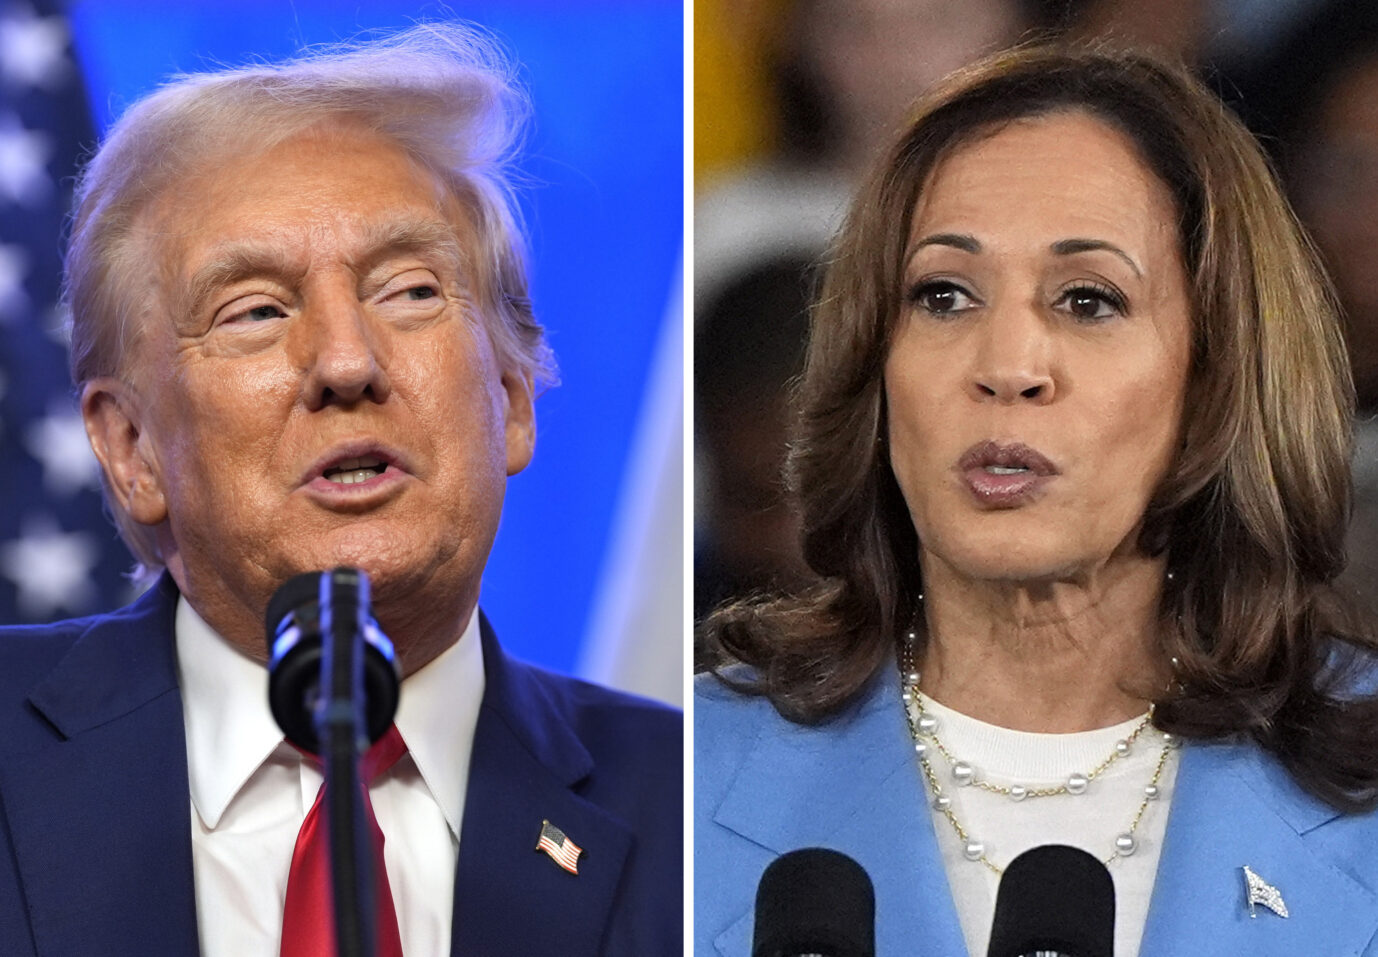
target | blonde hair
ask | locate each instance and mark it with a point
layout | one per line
(443, 92)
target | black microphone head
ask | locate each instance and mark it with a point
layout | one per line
(293, 625)
(298, 593)
(1055, 899)
(815, 901)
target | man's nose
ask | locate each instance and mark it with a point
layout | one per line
(1014, 358)
(345, 354)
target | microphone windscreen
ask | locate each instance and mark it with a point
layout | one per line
(1054, 899)
(816, 902)
(299, 591)
(295, 682)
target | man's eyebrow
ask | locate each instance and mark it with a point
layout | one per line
(1069, 247)
(409, 234)
(237, 261)
(232, 263)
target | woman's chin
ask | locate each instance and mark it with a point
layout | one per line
(1012, 564)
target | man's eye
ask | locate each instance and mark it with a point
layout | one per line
(941, 297)
(256, 314)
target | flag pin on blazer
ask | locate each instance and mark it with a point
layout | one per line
(1260, 891)
(561, 849)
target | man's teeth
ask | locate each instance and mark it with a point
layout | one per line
(350, 478)
(353, 471)
(1004, 470)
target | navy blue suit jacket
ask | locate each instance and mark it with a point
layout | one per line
(95, 826)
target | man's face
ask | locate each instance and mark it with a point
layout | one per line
(314, 387)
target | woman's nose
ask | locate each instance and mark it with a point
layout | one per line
(1013, 360)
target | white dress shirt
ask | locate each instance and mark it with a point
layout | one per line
(1090, 821)
(251, 790)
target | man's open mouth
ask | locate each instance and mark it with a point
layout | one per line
(353, 471)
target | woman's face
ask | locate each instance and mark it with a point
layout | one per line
(1036, 379)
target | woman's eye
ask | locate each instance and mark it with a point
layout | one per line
(1092, 302)
(941, 298)
(418, 293)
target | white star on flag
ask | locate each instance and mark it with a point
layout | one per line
(58, 324)
(33, 49)
(14, 266)
(51, 569)
(23, 154)
(58, 441)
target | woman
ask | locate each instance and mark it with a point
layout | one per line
(1073, 466)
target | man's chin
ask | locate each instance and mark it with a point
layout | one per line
(396, 573)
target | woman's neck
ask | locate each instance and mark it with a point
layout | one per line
(1048, 656)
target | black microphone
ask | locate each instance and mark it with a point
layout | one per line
(332, 683)
(1054, 901)
(295, 648)
(815, 903)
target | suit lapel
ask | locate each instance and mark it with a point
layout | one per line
(1235, 807)
(107, 794)
(510, 898)
(854, 787)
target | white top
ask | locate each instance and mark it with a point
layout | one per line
(1090, 821)
(250, 792)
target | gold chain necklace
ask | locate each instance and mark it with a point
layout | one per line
(923, 730)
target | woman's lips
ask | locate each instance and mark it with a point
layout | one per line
(1004, 475)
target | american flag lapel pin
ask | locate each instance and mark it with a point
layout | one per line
(1259, 891)
(561, 849)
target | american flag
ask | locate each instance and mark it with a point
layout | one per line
(59, 554)
(561, 849)
(1259, 891)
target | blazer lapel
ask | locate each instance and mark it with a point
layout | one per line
(107, 794)
(510, 898)
(852, 786)
(1234, 807)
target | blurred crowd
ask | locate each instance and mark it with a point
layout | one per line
(793, 98)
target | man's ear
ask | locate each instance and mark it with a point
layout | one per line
(111, 413)
(521, 419)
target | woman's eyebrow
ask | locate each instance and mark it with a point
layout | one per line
(1063, 247)
(963, 241)
(1069, 247)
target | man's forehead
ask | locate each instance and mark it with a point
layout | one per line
(357, 237)
(336, 175)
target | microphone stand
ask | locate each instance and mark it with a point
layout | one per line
(342, 732)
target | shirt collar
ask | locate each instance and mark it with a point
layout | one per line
(437, 715)
(231, 732)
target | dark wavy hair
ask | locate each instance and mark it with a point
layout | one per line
(1252, 513)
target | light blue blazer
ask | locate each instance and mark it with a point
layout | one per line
(764, 786)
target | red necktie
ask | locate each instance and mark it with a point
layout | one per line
(308, 924)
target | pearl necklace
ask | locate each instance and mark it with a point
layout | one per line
(923, 730)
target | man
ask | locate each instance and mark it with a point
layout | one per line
(302, 338)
